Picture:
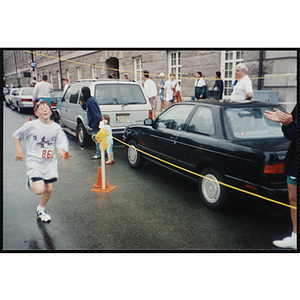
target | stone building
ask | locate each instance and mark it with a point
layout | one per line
(269, 70)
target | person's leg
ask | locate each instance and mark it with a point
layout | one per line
(290, 241)
(47, 194)
(40, 187)
(98, 152)
(110, 155)
(292, 189)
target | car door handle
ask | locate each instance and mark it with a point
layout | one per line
(174, 139)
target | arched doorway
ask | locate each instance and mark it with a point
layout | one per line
(112, 66)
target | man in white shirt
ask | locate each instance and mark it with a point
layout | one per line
(243, 90)
(42, 90)
(150, 91)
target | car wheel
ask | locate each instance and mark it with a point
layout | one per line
(134, 157)
(19, 108)
(82, 135)
(211, 192)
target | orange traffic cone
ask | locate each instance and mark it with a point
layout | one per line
(30, 119)
(98, 185)
(67, 155)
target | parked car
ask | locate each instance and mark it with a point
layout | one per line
(8, 97)
(227, 142)
(125, 102)
(22, 99)
(5, 92)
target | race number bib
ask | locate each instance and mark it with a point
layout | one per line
(46, 153)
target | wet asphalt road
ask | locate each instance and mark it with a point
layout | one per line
(151, 209)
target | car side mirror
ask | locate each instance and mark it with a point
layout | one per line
(148, 122)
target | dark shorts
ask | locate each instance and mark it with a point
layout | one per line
(34, 179)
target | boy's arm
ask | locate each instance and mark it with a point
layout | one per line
(19, 151)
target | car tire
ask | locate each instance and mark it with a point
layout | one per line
(19, 109)
(212, 193)
(134, 157)
(82, 135)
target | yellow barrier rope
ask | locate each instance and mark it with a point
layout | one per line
(199, 175)
(154, 75)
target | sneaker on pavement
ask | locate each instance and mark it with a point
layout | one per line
(287, 242)
(43, 216)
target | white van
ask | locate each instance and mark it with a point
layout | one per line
(125, 102)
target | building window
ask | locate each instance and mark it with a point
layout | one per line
(229, 60)
(59, 80)
(78, 71)
(175, 64)
(51, 78)
(94, 72)
(138, 69)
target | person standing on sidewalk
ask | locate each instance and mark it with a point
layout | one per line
(162, 91)
(219, 84)
(200, 86)
(94, 115)
(42, 90)
(289, 128)
(150, 91)
(170, 89)
(243, 90)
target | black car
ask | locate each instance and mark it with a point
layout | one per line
(230, 143)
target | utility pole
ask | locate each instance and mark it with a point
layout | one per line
(18, 79)
(260, 70)
(59, 62)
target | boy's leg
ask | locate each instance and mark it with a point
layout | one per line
(46, 194)
(38, 186)
(40, 210)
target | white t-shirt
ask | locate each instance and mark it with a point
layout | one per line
(42, 89)
(41, 141)
(169, 85)
(150, 88)
(242, 88)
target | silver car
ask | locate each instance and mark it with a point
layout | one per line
(22, 99)
(12, 92)
(125, 102)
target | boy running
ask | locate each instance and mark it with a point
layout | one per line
(42, 135)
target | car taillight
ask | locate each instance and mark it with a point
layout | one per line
(150, 114)
(53, 104)
(26, 100)
(274, 169)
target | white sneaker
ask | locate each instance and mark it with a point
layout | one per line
(288, 242)
(43, 215)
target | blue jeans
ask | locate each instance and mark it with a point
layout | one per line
(98, 152)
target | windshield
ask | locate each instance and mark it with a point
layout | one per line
(114, 94)
(249, 123)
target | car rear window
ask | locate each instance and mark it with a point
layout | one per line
(27, 92)
(114, 94)
(249, 123)
(56, 94)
